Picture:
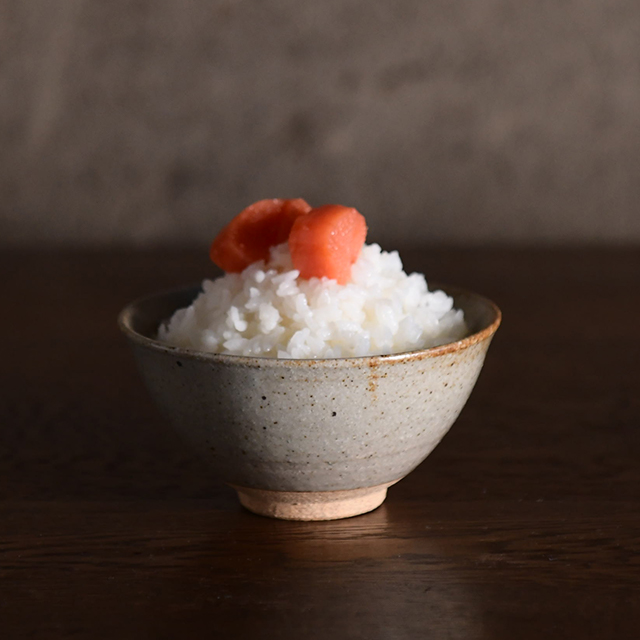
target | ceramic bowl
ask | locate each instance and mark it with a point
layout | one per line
(310, 439)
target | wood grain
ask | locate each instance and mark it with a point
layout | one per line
(524, 522)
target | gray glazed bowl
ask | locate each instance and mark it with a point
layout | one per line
(310, 439)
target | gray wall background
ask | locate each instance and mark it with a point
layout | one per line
(469, 121)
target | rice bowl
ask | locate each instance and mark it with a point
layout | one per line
(309, 439)
(315, 373)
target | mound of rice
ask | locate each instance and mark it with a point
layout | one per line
(267, 310)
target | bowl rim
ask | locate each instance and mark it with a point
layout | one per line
(124, 323)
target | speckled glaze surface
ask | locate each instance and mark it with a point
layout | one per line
(310, 425)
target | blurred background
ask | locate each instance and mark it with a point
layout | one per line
(472, 122)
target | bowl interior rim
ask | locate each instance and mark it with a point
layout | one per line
(126, 316)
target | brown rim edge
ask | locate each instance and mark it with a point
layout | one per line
(432, 352)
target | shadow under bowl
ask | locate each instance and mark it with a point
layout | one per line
(310, 439)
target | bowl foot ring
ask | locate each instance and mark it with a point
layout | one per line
(312, 505)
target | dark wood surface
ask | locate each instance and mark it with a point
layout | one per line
(523, 523)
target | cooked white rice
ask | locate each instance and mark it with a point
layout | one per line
(267, 310)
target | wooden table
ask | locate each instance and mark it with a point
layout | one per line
(523, 524)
